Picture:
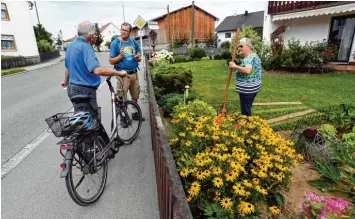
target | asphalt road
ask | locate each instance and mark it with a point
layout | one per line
(33, 189)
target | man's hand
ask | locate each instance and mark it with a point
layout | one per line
(64, 84)
(122, 52)
(138, 58)
(123, 73)
(232, 65)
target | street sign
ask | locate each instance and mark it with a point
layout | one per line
(139, 22)
(140, 33)
(153, 25)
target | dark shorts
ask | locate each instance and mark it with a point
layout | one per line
(79, 93)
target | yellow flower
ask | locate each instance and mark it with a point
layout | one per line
(218, 182)
(184, 172)
(274, 210)
(246, 208)
(215, 137)
(199, 162)
(300, 157)
(256, 181)
(225, 133)
(217, 171)
(182, 134)
(249, 141)
(188, 143)
(247, 183)
(262, 174)
(188, 199)
(261, 190)
(174, 140)
(194, 189)
(292, 179)
(207, 173)
(230, 176)
(239, 190)
(226, 203)
(200, 175)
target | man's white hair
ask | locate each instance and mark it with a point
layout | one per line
(246, 42)
(85, 29)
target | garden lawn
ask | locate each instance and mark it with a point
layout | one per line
(314, 91)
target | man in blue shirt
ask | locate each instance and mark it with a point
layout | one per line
(125, 54)
(83, 71)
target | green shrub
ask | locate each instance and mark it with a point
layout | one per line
(197, 52)
(179, 58)
(349, 139)
(296, 55)
(171, 79)
(217, 56)
(169, 101)
(196, 59)
(226, 55)
(45, 46)
(205, 58)
(225, 45)
(329, 130)
(198, 108)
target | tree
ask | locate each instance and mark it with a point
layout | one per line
(59, 40)
(42, 34)
(99, 39)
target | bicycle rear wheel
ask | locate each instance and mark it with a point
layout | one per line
(129, 121)
(87, 173)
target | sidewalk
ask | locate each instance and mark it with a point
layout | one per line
(46, 63)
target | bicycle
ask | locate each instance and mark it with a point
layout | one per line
(87, 149)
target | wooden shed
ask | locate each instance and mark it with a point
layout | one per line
(181, 25)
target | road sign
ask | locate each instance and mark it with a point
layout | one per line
(153, 25)
(140, 33)
(139, 22)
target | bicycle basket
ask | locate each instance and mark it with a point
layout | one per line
(58, 123)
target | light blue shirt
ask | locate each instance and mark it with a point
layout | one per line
(130, 48)
(81, 61)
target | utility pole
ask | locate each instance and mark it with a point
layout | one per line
(193, 24)
(169, 36)
(124, 19)
(37, 13)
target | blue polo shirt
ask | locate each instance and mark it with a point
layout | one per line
(130, 48)
(80, 60)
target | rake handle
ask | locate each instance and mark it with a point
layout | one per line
(224, 110)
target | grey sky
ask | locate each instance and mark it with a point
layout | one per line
(65, 15)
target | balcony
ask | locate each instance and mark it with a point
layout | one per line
(278, 7)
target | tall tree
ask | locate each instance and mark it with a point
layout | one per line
(42, 34)
(99, 39)
(59, 40)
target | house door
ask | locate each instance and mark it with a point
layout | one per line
(341, 35)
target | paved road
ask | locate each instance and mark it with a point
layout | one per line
(34, 189)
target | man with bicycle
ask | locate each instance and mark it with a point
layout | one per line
(125, 54)
(83, 71)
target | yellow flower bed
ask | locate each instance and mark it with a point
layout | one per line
(236, 161)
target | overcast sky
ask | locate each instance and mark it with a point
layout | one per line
(65, 15)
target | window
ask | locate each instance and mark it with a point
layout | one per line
(228, 35)
(4, 12)
(8, 43)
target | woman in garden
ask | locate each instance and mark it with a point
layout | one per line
(248, 75)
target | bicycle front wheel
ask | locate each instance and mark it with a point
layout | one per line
(86, 182)
(129, 121)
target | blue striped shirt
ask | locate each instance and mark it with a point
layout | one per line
(249, 83)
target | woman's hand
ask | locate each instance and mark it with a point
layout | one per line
(232, 65)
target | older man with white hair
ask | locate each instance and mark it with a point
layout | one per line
(248, 75)
(83, 71)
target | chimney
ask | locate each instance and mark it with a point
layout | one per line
(246, 13)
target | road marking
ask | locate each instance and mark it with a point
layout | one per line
(8, 166)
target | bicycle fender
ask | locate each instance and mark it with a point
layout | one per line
(67, 161)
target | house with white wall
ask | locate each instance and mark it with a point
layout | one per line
(17, 33)
(226, 29)
(332, 21)
(107, 31)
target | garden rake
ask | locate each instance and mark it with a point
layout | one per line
(224, 110)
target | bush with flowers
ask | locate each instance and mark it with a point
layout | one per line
(161, 57)
(230, 165)
(321, 207)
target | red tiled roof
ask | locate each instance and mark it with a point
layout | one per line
(104, 27)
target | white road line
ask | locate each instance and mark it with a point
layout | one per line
(24, 152)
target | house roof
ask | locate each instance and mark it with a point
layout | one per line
(71, 39)
(255, 19)
(171, 12)
(106, 25)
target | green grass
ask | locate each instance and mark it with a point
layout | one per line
(11, 71)
(314, 91)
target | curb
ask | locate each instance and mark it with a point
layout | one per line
(32, 69)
